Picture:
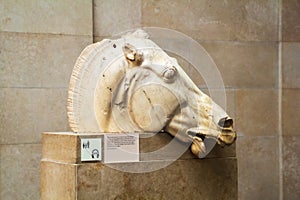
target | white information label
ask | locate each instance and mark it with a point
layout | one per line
(121, 148)
(90, 149)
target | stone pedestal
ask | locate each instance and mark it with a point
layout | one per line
(64, 176)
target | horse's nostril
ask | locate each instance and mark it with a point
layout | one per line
(225, 122)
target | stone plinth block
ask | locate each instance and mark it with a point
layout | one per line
(64, 176)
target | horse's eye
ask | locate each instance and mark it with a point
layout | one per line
(169, 74)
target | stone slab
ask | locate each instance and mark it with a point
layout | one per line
(58, 180)
(114, 17)
(291, 64)
(256, 112)
(183, 179)
(213, 20)
(59, 17)
(190, 179)
(290, 20)
(38, 60)
(63, 176)
(65, 147)
(26, 112)
(291, 111)
(258, 167)
(19, 171)
(291, 170)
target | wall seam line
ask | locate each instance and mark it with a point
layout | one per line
(44, 34)
(280, 142)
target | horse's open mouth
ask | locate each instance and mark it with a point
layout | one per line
(224, 134)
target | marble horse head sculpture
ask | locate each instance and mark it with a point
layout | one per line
(131, 85)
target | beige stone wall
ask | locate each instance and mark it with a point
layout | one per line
(39, 44)
(255, 44)
(290, 53)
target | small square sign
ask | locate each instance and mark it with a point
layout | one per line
(91, 149)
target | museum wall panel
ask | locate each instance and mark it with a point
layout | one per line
(259, 167)
(213, 20)
(39, 60)
(39, 44)
(291, 98)
(290, 170)
(70, 17)
(290, 21)
(249, 65)
(20, 170)
(22, 108)
(114, 17)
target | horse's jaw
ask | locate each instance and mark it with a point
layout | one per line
(201, 118)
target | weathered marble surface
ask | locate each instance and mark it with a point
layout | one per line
(63, 176)
(130, 84)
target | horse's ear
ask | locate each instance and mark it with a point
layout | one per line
(132, 55)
